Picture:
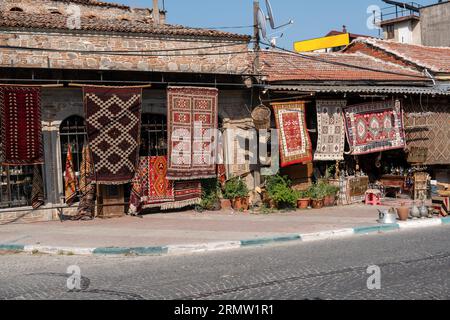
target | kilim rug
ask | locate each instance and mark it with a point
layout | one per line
(192, 117)
(374, 127)
(113, 123)
(86, 207)
(442, 205)
(136, 187)
(21, 127)
(331, 130)
(187, 193)
(294, 140)
(70, 180)
(157, 188)
(37, 191)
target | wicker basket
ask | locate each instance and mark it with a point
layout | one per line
(261, 117)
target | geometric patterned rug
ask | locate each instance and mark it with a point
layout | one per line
(192, 118)
(374, 127)
(331, 130)
(113, 116)
(427, 126)
(21, 126)
(294, 140)
(157, 188)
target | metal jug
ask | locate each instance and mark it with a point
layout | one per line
(387, 216)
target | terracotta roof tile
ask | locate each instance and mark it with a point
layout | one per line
(96, 3)
(436, 59)
(285, 66)
(59, 22)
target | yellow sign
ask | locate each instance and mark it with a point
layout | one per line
(322, 43)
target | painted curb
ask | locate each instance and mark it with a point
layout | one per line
(227, 245)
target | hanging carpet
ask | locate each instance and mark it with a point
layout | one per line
(331, 130)
(294, 140)
(187, 193)
(192, 119)
(70, 180)
(37, 191)
(21, 127)
(113, 126)
(86, 207)
(374, 127)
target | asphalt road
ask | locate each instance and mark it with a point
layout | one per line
(413, 265)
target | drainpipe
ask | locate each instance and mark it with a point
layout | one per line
(428, 74)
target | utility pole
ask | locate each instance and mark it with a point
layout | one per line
(256, 47)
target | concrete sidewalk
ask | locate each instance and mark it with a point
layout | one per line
(188, 229)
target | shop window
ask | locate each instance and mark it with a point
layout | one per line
(16, 186)
(153, 135)
(72, 132)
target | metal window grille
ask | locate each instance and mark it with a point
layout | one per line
(153, 135)
(72, 132)
(16, 186)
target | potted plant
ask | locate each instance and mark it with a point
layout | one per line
(280, 192)
(318, 192)
(304, 199)
(330, 197)
(210, 195)
(237, 192)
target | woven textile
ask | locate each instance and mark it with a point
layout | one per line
(187, 193)
(157, 188)
(70, 180)
(136, 187)
(21, 127)
(442, 205)
(294, 140)
(427, 126)
(86, 207)
(37, 192)
(113, 122)
(374, 127)
(331, 129)
(192, 117)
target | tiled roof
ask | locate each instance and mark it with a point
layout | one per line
(95, 3)
(352, 35)
(436, 59)
(285, 66)
(15, 19)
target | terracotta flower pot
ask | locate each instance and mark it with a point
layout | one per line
(403, 213)
(317, 203)
(237, 204)
(225, 204)
(245, 203)
(303, 203)
(329, 201)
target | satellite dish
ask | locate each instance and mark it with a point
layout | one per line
(271, 15)
(262, 24)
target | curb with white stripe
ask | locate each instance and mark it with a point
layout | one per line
(226, 245)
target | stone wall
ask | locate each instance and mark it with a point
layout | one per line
(102, 12)
(209, 62)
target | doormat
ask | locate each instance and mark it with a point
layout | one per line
(192, 117)
(21, 126)
(113, 123)
(374, 127)
(294, 140)
(331, 130)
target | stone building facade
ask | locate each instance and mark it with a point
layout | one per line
(114, 45)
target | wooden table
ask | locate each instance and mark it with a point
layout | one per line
(393, 182)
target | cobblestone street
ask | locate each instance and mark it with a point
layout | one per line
(414, 265)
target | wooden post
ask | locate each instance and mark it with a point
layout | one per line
(155, 12)
(256, 35)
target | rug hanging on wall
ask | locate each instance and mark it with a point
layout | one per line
(187, 193)
(113, 126)
(21, 126)
(70, 180)
(374, 127)
(86, 207)
(192, 117)
(294, 140)
(37, 191)
(331, 130)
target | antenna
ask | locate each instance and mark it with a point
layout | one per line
(271, 18)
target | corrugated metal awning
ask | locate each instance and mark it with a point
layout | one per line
(360, 89)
